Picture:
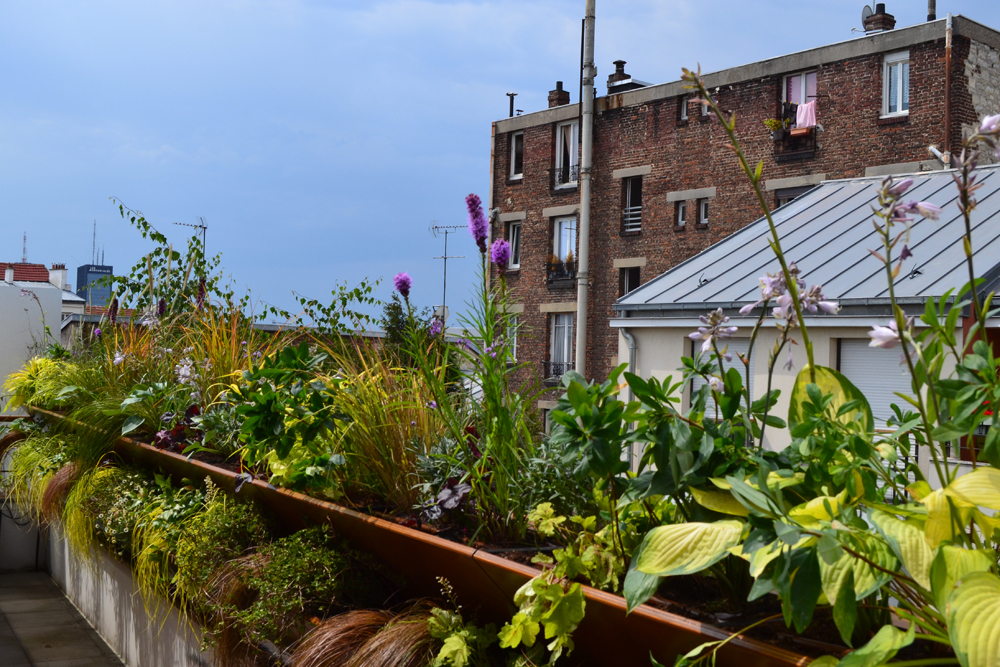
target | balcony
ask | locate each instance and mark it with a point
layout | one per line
(795, 144)
(560, 273)
(632, 220)
(567, 175)
(552, 371)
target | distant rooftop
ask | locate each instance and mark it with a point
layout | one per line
(35, 273)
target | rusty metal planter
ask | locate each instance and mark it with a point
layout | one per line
(484, 582)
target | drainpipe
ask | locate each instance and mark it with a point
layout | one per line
(632, 347)
(587, 131)
(947, 92)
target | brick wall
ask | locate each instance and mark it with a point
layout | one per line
(691, 154)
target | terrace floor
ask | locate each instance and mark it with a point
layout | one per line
(40, 628)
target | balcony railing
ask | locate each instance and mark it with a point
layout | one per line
(795, 144)
(560, 271)
(554, 370)
(567, 174)
(632, 219)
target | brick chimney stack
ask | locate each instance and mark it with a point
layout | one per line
(880, 21)
(558, 97)
(618, 75)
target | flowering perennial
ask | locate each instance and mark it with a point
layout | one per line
(402, 282)
(500, 254)
(715, 329)
(478, 226)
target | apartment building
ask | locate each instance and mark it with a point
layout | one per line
(665, 187)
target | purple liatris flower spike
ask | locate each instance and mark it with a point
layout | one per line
(478, 226)
(201, 294)
(402, 282)
(436, 327)
(97, 333)
(113, 311)
(161, 308)
(500, 254)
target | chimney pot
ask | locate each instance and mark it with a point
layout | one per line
(880, 21)
(618, 75)
(558, 97)
(8, 274)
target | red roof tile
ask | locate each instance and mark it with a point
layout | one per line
(35, 273)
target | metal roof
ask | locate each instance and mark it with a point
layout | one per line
(828, 232)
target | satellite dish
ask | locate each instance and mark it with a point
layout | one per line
(865, 13)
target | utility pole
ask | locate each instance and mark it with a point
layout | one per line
(587, 132)
(445, 229)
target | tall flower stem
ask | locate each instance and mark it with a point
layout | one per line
(754, 175)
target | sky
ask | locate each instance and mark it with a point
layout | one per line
(321, 140)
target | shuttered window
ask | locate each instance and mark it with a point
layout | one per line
(877, 373)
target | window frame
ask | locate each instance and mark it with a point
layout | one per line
(512, 325)
(557, 227)
(573, 153)
(889, 61)
(624, 283)
(566, 322)
(516, 175)
(631, 214)
(805, 88)
(680, 208)
(514, 230)
(703, 211)
(683, 102)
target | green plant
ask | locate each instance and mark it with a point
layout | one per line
(462, 644)
(775, 124)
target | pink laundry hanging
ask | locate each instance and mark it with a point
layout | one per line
(805, 116)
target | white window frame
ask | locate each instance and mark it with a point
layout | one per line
(632, 214)
(574, 152)
(703, 211)
(890, 61)
(516, 175)
(512, 336)
(684, 107)
(560, 249)
(705, 109)
(680, 214)
(562, 327)
(628, 288)
(514, 239)
(804, 88)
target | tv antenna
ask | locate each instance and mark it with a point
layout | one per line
(204, 229)
(436, 231)
(24, 250)
(93, 252)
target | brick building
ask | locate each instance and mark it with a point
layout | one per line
(664, 187)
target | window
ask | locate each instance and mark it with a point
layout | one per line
(561, 349)
(702, 211)
(896, 84)
(517, 155)
(680, 213)
(632, 204)
(512, 336)
(705, 109)
(567, 136)
(683, 102)
(564, 243)
(800, 88)
(628, 280)
(514, 239)
(786, 195)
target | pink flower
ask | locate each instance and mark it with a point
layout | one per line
(716, 384)
(715, 329)
(478, 226)
(884, 337)
(899, 187)
(402, 283)
(991, 125)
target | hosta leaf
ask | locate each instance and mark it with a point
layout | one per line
(131, 424)
(823, 508)
(951, 564)
(907, 539)
(638, 586)
(719, 501)
(979, 487)
(883, 646)
(867, 579)
(829, 381)
(763, 556)
(947, 516)
(973, 616)
(686, 548)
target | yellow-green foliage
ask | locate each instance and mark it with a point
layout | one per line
(32, 465)
(20, 386)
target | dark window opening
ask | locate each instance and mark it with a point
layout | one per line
(632, 204)
(517, 155)
(787, 195)
(628, 280)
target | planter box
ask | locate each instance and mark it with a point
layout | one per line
(484, 582)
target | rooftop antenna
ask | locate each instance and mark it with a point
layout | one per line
(102, 256)
(24, 250)
(435, 231)
(93, 253)
(203, 226)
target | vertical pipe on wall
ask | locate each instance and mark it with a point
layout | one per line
(587, 132)
(630, 339)
(947, 90)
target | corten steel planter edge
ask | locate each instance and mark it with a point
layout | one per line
(484, 581)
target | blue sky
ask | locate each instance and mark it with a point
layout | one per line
(321, 139)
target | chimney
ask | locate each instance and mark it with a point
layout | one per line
(880, 21)
(57, 276)
(618, 75)
(8, 274)
(558, 97)
(931, 10)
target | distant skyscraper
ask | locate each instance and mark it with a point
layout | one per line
(86, 277)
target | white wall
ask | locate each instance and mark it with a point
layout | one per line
(21, 322)
(105, 593)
